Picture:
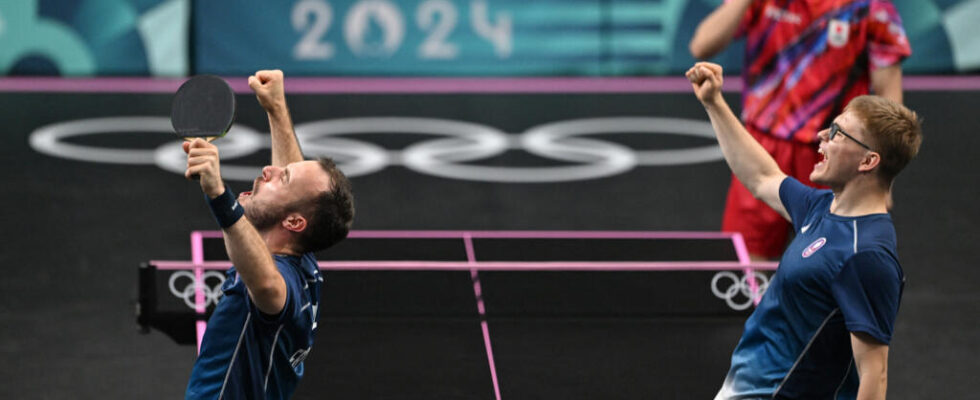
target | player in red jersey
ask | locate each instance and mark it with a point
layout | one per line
(804, 60)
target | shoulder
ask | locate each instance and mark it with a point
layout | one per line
(876, 233)
(877, 265)
(793, 193)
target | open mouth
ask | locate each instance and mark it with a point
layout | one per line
(248, 193)
(822, 160)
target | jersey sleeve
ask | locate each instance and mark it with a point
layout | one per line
(868, 290)
(748, 19)
(887, 43)
(797, 198)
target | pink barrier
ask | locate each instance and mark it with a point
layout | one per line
(472, 264)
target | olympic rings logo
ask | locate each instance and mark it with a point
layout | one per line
(212, 293)
(738, 286)
(569, 142)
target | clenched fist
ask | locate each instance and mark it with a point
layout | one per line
(706, 79)
(268, 88)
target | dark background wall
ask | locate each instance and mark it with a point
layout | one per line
(74, 232)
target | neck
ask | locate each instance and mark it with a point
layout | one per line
(861, 196)
(278, 242)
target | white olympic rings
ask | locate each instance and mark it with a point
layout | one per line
(738, 286)
(211, 293)
(448, 156)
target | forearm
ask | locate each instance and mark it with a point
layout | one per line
(873, 386)
(717, 30)
(871, 361)
(285, 146)
(255, 266)
(747, 159)
(887, 82)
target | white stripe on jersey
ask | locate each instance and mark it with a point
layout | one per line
(805, 349)
(855, 236)
(235, 354)
(272, 352)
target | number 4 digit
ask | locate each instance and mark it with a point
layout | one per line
(499, 35)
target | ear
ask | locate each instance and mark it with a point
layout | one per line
(870, 162)
(294, 223)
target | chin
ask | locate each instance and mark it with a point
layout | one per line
(820, 180)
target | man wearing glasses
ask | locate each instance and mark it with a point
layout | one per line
(803, 61)
(823, 327)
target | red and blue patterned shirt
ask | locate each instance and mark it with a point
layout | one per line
(806, 59)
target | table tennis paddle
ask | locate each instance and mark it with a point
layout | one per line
(204, 107)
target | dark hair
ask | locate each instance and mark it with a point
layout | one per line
(894, 129)
(329, 214)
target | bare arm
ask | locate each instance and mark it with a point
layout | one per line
(717, 30)
(887, 82)
(750, 163)
(268, 88)
(871, 359)
(246, 249)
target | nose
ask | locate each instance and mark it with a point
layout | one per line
(824, 134)
(268, 172)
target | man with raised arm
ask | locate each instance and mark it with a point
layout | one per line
(822, 329)
(263, 327)
(803, 62)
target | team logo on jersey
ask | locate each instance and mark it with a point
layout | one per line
(837, 32)
(813, 247)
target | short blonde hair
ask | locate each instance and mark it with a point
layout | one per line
(895, 131)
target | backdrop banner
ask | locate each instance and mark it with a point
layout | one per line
(511, 37)
(407, 38)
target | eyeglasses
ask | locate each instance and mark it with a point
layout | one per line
(835, 129)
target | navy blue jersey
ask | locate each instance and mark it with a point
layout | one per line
(247, 354)
(839, 275)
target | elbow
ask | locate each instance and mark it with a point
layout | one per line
(881, 377)
(698, 50)
(267, 290)
(270, 288)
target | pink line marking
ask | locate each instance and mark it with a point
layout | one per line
(499, 265)
(493, 369)
(478, 292)
(945, 83)
(743, 257)
(328, 85)
(197, 259)
(210, 234)
(90, 85)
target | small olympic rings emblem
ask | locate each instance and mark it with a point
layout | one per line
(212, 293)
(738, 286)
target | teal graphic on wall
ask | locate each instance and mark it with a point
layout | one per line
(94, 37)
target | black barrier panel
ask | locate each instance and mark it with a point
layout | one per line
(563, 249)
(604, 294)
(397, 358)
(371, 249)
(397, 293)
(662, 358)
(163, 302)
